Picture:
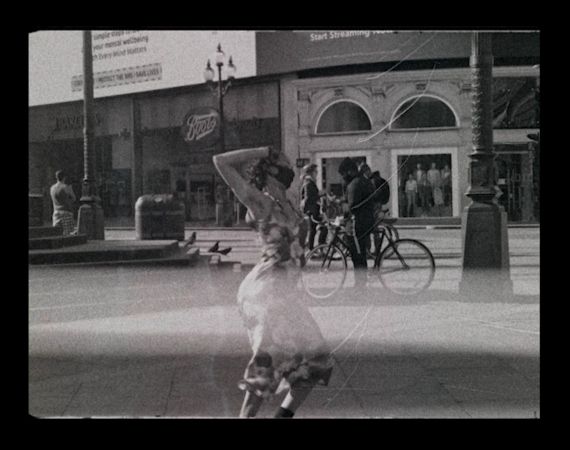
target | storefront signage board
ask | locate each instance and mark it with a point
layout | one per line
(201, 128)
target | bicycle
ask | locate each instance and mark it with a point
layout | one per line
(403, 266)
(387, 224)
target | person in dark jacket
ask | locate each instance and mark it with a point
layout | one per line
(382, 188)
(310, 203)
(381, 199)
(359, 190)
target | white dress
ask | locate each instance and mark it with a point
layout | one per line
(288, 347)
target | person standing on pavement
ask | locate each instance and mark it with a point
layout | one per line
(310, 203)
(359, 193)
(381, 199)
(63, 200)
(289, 351)
(365, 171)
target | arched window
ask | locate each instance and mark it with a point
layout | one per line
(424, 112)
(343, 116)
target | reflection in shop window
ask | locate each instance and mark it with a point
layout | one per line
(342, 117)
(158, 181)
(515, 103)
(425, 186)
(424, 112)
(515, 171)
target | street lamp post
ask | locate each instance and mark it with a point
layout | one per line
(219, 89)
(90, 216)
(486, 270)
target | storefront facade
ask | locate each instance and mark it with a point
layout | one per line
(56, 143)
(143, 144)
(320, 96)
(416, 125)
(180, 135)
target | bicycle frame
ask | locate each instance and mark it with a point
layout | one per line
(392, 246)
(337, 240)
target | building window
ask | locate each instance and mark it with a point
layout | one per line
(343, 116)
(425, 187)
(423, 112)
(516, 172)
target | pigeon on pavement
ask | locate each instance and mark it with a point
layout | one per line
(214, 248)
(190, 240)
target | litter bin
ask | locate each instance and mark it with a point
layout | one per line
(35, 210)
(159, 216)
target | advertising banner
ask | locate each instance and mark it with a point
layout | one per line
(126, 61)
(288, 51)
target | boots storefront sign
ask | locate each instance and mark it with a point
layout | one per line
(201, 128)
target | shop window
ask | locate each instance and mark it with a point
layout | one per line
(158, 182)
(515, 103)
(425, 185)
(342, 117)
(115, 193)
(423, 112)
(516, 170)
(202, 199)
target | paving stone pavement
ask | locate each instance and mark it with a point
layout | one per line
(169, 342)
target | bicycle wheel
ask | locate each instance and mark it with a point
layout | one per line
(407, 267)
(324, 271)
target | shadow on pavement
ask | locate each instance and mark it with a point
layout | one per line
(78, 294)
(378, 381)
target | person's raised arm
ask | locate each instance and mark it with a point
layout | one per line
(227, 165)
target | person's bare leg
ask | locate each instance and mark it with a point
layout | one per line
(251, 405)
(294, 398)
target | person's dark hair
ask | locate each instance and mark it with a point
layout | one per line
(60, 175)
(285, 176)
(259, 170)
(309, 169)
(347, 165)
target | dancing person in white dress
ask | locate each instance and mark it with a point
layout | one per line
(289, 352)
